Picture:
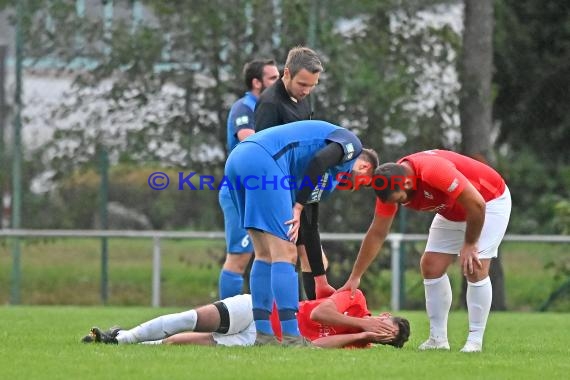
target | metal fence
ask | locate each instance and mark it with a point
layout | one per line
(393, 239)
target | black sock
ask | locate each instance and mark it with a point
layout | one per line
(309, 285)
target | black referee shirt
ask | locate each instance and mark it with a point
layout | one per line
(275, 107)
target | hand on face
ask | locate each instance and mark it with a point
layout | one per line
(381, 325)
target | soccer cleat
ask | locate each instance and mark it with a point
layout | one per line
(471, 346)
(295, 341)
(98, 336)
(434, 344)
(262, 339)
(88, 339)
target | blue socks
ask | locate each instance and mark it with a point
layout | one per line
(229, 284)
(261, 295)
(285, 285)
(280, 280)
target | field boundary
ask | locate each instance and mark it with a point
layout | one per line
(395, 240)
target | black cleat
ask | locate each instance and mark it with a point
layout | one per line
(88, 339)
(98, 336)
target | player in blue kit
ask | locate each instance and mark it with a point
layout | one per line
(258, 75)
(271, 176)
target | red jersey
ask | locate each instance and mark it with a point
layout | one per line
(442, 175)
(312, 330)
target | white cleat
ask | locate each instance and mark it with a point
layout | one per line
(472, 347)
(434, 344)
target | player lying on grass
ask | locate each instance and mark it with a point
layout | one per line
(333, 322)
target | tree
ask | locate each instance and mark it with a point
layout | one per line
(532, 79)
(532, 52)
(476, 105)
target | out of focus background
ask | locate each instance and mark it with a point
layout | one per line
(96, 95)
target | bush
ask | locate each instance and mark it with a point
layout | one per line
(75, 200)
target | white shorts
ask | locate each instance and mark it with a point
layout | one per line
(446, 236)
(242, 328)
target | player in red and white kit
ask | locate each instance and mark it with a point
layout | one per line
(333, 322)
(343, 320)
(472, 205)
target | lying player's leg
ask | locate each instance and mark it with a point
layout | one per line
(209, 318)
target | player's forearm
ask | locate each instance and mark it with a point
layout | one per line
(369, 249)
(474, 206)
(474, 222)
(327, 314)
(473, 227)
(339, 341)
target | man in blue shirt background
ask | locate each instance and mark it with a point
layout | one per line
(258, 75)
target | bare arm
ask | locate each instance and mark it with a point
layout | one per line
(326, 313)
(371, 244)
(244, 133)
(343, 340)
(474, 206)
(339, 341)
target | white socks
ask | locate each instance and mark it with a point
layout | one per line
(438, 302)
(479, 297)
(159, 328)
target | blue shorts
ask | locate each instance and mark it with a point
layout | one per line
(262, 206)
(237, 239)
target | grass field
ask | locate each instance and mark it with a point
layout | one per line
(42, 342)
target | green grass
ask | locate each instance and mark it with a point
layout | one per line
(42, 342)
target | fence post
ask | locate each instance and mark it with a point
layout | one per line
(17, 161)
(395, 246)
(104, 223)
(156, 272)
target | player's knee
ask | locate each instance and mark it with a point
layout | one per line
(477, 275)
(289, 256)
(433, 266)
(237, 263)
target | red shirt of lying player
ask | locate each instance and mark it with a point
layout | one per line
(348, 320)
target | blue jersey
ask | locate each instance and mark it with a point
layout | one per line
(294, 145)
(241, 117)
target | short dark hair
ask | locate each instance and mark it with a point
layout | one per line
(254, 70)
(300, 58)
(370, 156)
(403, 332)
(388, 179)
